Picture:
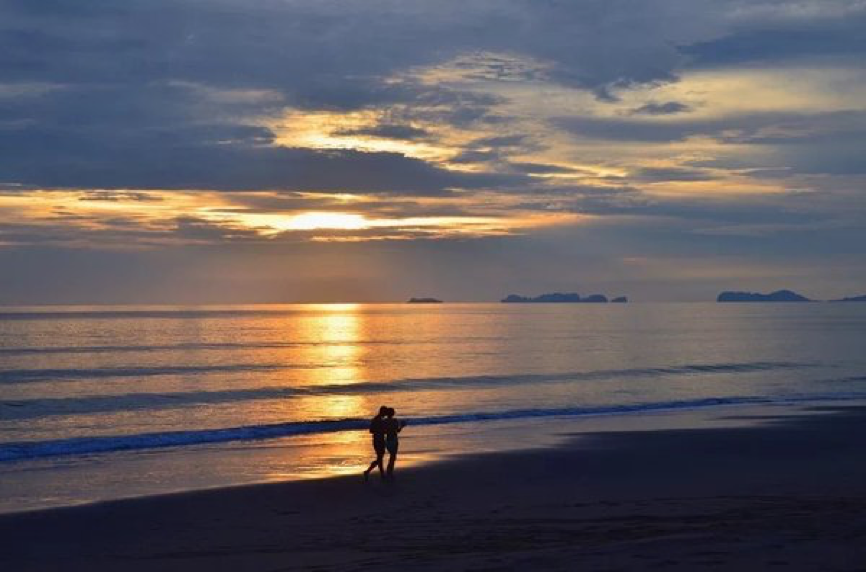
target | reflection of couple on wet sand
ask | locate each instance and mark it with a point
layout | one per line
(385, 428)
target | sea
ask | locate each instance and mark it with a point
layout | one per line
(100, 403)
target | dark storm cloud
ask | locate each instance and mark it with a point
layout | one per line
(269, 43)
(127, 80)
(778, 42)
(130, 79)
(819, 159)
(323, 55)
(172, 165)
(172, 135)
(166, 136)
(756, 214)
(634, 129)
(769, 128)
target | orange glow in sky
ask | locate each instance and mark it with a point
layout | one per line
(322, 220)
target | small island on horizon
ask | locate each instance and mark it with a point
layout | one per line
(852, 299)
(777, 296)
(561, 298)
(423, 301)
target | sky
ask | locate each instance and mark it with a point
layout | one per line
(243, 151)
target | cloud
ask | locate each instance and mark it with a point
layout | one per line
(389, 131)
(826, 34)
(656, 174)
(196, 77)
(543, 169)
(118, 196)
(667, 108)
(183, 161)
(772, 127)
(501, 141)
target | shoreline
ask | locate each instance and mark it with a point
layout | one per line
(158, 472)
(790, 489)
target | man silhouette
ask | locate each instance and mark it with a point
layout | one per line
(377, 428)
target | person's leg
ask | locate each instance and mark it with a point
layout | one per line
(379, 462)
(372, 466)
(382, 464)
(392, 457)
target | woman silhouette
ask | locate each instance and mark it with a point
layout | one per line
(392, 427)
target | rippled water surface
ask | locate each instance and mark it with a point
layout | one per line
(83, 387)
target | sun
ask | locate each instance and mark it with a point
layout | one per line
(320, 220)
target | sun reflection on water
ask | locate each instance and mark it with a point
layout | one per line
(338, 333)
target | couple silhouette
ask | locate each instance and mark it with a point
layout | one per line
(385, 427)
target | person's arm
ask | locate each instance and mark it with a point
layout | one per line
(400, 425)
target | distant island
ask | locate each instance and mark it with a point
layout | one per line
(852, 299)
(560, 298)
(777, 296)
(423, 301)
(620, 300)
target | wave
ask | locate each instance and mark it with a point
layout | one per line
(12, 376)
(107, 444)
(32, 375)
(147, 314)
(52, 350)
(206, 346)
(35, 408)
(196, 312)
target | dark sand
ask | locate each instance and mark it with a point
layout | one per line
(786, 495)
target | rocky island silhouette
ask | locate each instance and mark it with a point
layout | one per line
(560, 298)
(777, 296)
(852, 299)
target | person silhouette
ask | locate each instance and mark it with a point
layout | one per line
(393, 426)
(377, 428)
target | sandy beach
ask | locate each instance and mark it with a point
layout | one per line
(786, 493)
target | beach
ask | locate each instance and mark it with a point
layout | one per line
(785, 492)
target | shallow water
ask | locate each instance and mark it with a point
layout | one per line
(106, 392)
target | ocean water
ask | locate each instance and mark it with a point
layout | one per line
(107, 402)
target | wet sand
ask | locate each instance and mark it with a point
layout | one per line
(786, 494)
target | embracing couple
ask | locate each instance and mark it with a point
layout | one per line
(385, 428)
